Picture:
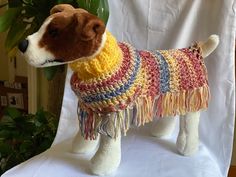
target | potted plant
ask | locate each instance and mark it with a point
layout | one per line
(23, 136)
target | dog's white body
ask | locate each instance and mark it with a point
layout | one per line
(108, 156)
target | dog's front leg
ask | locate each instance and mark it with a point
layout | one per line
(81, 145)
(187, 141)
(107, 158)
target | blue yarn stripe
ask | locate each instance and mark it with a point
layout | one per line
(82, 120)
(122, 89)
(164, 73)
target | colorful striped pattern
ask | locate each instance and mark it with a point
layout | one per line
(162, 83)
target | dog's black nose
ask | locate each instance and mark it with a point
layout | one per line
(23, 45)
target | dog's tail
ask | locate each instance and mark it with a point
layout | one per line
(210, 45)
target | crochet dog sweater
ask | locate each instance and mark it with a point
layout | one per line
(122, 86)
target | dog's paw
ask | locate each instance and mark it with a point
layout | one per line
(187, 146)
(108, 157)
(105, 162)
(82, 146)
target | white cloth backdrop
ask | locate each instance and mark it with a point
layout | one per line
(158, 24)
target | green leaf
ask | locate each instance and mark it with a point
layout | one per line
(30, 11)
(12, 160)
(99, 8)
(103, 10)
(18, 32)
(6, 119)
(25, 146)
(37, 123)
(72, 2)
(26, 2)
(14, 3)
(44, 145)
(12, 112)
(50, 72)
(41, 116)
(82, 4)
(3, 165)
(93, 6)
(89, 5)
(33, 28)
(5, 148)
(4, 134)
(64, 1)
(42, 9)
(8, 17)
(15, 33)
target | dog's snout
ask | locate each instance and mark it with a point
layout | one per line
(23, 45)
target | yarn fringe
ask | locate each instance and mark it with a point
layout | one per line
(142, 111)
(171, 104)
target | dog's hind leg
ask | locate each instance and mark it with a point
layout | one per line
(107, 158)
(80, 145)
(188, 140)
(163, 127)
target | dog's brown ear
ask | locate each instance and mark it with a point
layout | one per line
(61, 21)
(92, 27)
(61, 8)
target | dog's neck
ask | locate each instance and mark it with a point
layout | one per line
(105, 62)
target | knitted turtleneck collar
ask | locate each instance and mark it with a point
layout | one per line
(103, 63)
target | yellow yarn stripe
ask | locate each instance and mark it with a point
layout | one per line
(173, 68)
(108, 60)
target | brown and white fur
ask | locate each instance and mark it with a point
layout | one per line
(70, 34)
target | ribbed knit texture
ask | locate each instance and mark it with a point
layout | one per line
(123, 86)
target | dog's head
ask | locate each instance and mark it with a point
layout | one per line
(66, 35)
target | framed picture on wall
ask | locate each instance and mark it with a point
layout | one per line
(3, 101)
(15, 100)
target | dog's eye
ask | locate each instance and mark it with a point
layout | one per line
(53, 32)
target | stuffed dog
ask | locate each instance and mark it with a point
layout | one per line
(118, 86)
